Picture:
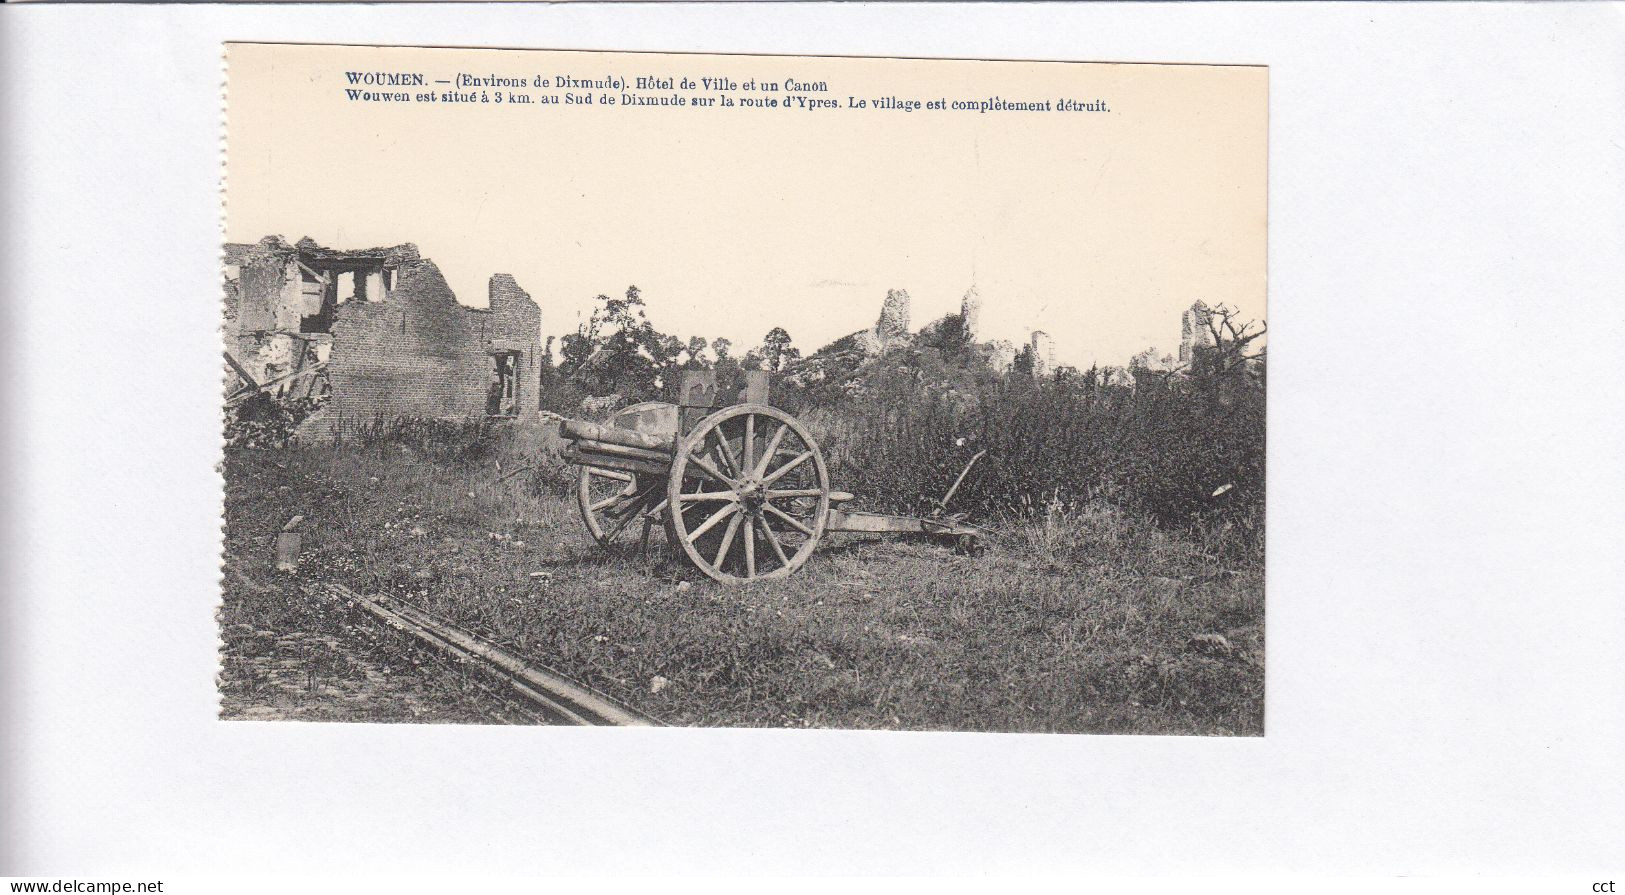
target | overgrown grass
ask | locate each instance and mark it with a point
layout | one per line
(1085, 616)
(1188, 455)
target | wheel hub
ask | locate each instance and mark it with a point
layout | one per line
(752, 496)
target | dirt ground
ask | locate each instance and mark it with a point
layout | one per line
(1086, 623)
(322, 663)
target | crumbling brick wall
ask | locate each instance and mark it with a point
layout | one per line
(420, 353)
(970, 315)
(893, 323)
(270, 281)
(1194, 332)
(514, 323)
(1043, 353)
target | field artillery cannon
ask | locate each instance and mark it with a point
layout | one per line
(740, 486)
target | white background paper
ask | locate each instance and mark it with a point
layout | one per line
(1446, 603)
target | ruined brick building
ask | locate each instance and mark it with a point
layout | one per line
(892, 327)
(379, 331)
(1043, 353)
(1194, 331)
(1001, 353)
(840, 359)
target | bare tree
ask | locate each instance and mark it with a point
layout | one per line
(1232, 349)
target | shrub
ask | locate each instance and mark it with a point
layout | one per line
(509, 449)
(451, 442)
(1187, 455)
(263, 421)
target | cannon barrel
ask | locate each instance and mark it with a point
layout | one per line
(581, 453)
(620, 450)
(582, 431)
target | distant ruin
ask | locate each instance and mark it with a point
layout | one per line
(970, 314)
(1194, 331)
(1001, 354)
(841, 357)
(376, 334)
(891, 330)
(892, 327)
(1043, 353)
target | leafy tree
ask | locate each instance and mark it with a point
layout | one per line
(727, 366)
(950, 337)
(1024, 361)
(777, 351)
(666, 350)
(696, 354)
(671, 348)
(574, 350)
(617, 351)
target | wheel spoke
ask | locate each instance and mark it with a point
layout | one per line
(599, 505)
(708, 495)
(610, 474)
(706, 526)
(779, 473)
(793, 492)
(795, 523)
(750, 551)
(770, 449)
(745, 462)
(620, 527)
(706, 467)
(773, 539)
(724, 452)
(727, 540)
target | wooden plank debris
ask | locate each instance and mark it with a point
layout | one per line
(288, 542)
(245, 394)
(240, 371)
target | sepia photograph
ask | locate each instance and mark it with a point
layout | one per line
(811, 440)
(743, 391)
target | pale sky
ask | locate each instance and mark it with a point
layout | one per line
(1099, 228)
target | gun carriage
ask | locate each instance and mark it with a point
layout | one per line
(739, 486)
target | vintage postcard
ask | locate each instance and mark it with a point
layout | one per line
(743, 391)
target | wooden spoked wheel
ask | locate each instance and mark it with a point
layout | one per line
(607, 497)
(748, 495)
(599, 493)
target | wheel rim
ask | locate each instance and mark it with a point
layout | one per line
(598, 488)
(596, 493)
(748, 495)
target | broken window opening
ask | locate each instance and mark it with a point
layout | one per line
(347, 281)
(321, 297)
(502, 400)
